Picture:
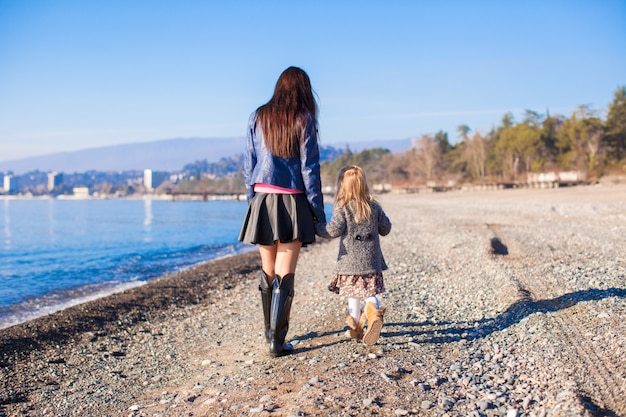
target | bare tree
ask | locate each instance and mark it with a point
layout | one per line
(475, 155)
(428, 155)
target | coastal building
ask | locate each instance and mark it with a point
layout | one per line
(54, 179)
(9, 183)
(80, 192)
(147, 179)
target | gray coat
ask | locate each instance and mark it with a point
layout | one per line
(359, 246)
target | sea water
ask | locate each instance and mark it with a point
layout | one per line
(57, 253)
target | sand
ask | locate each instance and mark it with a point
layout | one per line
(506, 302)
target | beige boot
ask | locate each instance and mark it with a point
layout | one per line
(355, 330)
(374, 323)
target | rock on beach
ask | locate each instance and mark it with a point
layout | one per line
(534, 327)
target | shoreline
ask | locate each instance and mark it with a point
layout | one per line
(138, 197)
(610, 180)
(22, 314)
(137, 304)
(45, 305)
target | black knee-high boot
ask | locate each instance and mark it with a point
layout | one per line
(282, 295)
(266, 302)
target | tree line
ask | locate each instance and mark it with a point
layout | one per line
(583, 142)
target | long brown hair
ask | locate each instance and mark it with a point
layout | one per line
(352, 190)
(282, 119)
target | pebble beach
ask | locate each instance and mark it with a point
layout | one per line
(499, 303)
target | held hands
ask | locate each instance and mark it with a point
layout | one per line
(320, 229)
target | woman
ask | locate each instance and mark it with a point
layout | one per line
(283, 188)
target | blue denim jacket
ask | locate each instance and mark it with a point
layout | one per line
(299, 173)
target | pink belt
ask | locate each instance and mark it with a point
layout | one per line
(273, 189)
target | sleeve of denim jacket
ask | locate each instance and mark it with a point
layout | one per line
(335, 228)
(249, 161)
(310, 168)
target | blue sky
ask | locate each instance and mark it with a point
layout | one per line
(81, 74)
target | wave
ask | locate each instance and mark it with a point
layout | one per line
(140, 274)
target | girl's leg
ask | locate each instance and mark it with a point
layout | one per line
(355, 320)
(374, 300)
(354, 308)
(375, 316)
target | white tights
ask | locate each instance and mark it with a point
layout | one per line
(354, 306)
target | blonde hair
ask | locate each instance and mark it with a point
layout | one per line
(352, 190)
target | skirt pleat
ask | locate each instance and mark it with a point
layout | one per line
(278, 217)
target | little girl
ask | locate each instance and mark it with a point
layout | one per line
(359, 220)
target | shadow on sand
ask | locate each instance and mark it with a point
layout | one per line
(299, 349)
(455, 331)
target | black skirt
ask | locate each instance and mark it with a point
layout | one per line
(278, 217)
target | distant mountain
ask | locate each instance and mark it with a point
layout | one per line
(162, 155)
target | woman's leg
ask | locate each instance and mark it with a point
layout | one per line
(280, 259)
(282, 295)
(268, 261)
(286, 257)
(266, 282)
